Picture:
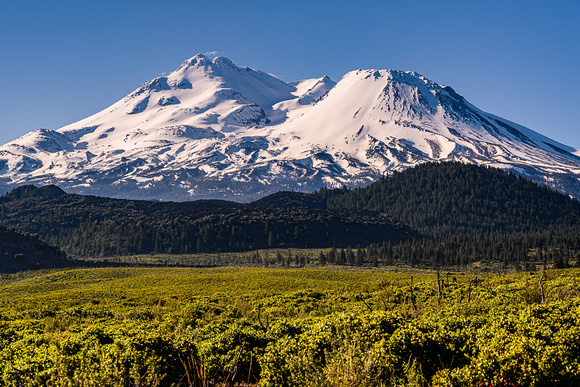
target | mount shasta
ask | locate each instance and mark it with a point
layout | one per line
(211, 129)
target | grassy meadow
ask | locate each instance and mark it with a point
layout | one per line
(336, 326)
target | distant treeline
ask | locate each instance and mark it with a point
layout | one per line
(91, 226)
(522, 254)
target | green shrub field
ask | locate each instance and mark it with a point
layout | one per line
(170, 326)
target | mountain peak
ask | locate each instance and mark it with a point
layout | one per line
(222, 61)
(212, 129)
(326, 79)
(215, 66)
(194, 60)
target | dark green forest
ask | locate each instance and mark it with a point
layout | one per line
(437, 214)
(445, 199)
(468, 213)
(95, 226)
(22, 251)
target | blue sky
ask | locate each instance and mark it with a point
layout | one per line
(62, 61)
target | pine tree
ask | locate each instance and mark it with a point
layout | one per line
(359, 256)
(349, 256)
(271, 240)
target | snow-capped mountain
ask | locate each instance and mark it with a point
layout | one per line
(211, 129)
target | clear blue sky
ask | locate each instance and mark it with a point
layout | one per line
(61, 61)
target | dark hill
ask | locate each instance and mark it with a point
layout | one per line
(98, 226)
(290, 199)
(20, 251)
(30, 191)
(444, 199)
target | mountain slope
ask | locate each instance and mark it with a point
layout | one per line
(445, 199)
(211, 129)
(20, 251)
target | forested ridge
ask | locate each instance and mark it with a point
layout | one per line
(469, 213)
(96, 226)
(444, 199)
(442, 214)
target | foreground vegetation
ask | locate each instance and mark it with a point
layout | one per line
(337, 326)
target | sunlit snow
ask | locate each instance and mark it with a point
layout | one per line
(213, 125)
